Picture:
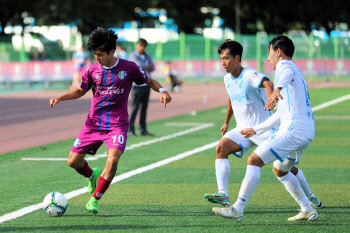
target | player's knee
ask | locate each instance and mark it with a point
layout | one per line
(72, 163)
(255, 160)
(220, 154)
(278, 172)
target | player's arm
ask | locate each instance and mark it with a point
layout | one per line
(164, 94)
(228, 117)
(262, 127)
(73, 94)
(268, 85)
(286, 78)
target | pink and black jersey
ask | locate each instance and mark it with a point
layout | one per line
(111, 87)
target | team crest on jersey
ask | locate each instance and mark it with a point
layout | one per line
(256, 74)
(77, 142)
(122, 75)
(97, 76)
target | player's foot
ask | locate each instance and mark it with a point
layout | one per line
(228, 212)
(315, 202)
(92, 205)
(310, 216)
(218, 197)
(96, 172)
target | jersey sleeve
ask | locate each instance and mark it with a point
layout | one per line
(286, 77)
(255, 78)
(139, 75)
(86, 81)
(268, 123)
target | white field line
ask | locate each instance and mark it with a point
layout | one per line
(200, 126)
(332, 102)
(75, 193)
(332, 117)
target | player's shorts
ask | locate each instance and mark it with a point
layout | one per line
(89, 140)
(247, 143)
(282, 145)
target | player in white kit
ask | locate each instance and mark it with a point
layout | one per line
(286, 146)
(247, 101)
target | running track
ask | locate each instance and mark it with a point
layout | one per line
(26, 120)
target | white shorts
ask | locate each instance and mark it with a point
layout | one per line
(247, 143)
(282, 145)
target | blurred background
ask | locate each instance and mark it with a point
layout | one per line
(38, 39)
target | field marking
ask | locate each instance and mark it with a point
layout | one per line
(199, 126)
(332, 117)
(75, 193)
(331, 102)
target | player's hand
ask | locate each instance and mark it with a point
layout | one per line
(54, 101)
(224, 129)
(165, 98)
(247, 132)
(270, 104)
(276, 95)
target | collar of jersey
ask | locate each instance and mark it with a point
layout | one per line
(112, 66)
(239, 76)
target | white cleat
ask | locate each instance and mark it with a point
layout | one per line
(228, 212)
(310, 216)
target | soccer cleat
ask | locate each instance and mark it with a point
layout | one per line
(92, 205)
(315, 202)
(96, 172)
(310, 216)
(218, 197)
(228, 212)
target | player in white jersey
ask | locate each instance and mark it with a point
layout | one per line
(247, 101)
(285, 147)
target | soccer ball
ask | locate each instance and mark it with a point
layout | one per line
(55, 204)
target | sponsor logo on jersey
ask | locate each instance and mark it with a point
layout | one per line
(77, 142)
(122, 75)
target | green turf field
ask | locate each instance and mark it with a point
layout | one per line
(169, 198)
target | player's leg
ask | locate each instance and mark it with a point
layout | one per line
(249, 184)
(78, 162)
(292, 185)
(287, 144)
(87, 142)
(115, 142)
(104, 180)
(314, 201)
(231, 143)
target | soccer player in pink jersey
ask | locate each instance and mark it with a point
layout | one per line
(110, 79)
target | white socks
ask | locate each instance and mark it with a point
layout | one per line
(223, 170)
(303, 183)
(292, 185)
(249, 184)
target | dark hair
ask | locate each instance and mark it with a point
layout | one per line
(234, 47)
(283, 43)
(143, 41)
(102, 39)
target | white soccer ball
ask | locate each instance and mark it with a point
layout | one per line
(55, 204)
